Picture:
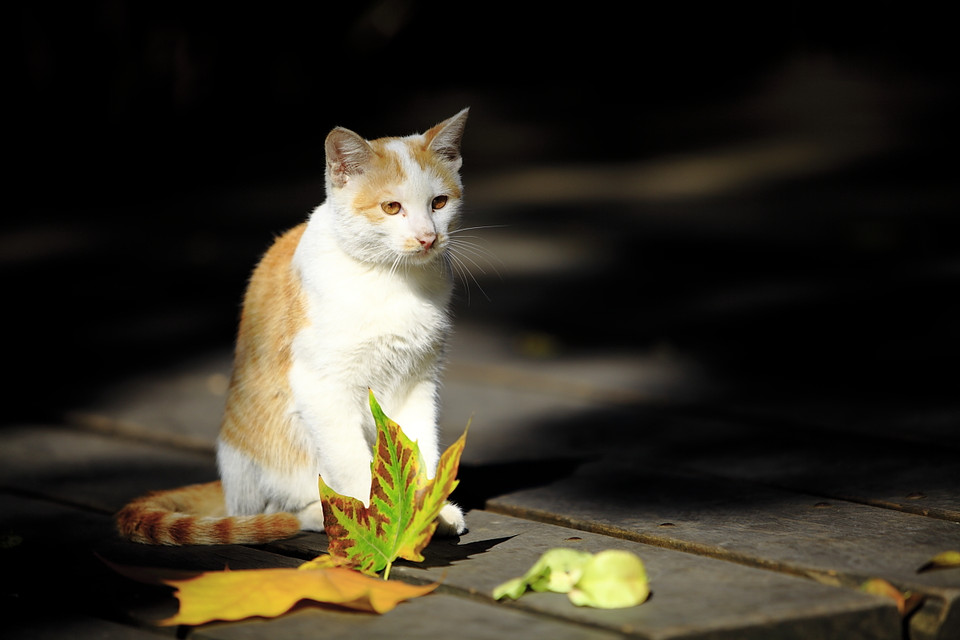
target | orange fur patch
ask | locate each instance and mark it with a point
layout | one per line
(257, 407)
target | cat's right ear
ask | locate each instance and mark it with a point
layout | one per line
(347, 155)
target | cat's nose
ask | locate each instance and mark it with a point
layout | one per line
(427, 240)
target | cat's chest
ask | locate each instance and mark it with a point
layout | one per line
(361, 311)
(352, 322)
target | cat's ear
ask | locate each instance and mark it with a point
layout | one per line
(444, 139)
(347, 155)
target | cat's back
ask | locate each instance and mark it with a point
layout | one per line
(274, 310)
(274, 277)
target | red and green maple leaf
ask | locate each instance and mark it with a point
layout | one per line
(403, 508)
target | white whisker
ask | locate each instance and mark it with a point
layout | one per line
(484, 226)
(479, 255)
(463, 274)
(455, 270)
(464, 256)
(466, 275)
(479, 251)
(395, 261)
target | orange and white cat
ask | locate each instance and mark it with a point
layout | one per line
(354, 299)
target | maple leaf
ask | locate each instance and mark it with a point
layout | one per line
(906, 601)
(236, 595)
(403, 507)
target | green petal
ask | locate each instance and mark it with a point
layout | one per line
(558, 570)
(612, 580)
(511, 589)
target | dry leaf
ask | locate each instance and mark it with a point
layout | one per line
(235, 595)
(906, 601)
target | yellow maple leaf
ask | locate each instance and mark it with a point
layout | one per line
(235, 595)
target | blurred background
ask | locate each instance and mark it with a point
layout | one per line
(759, 202)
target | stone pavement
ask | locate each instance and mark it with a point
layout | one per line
(746, 531)
(726, 360)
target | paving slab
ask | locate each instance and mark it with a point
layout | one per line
(184, 399)
(830, 541)
(879, 468)
(918, 478)
(100, 471)
(930, 422)
(693, 597)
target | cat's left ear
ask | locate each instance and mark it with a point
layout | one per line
(444, 139)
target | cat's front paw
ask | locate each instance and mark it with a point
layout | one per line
(450, 523)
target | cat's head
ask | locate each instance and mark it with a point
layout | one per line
(395, 199)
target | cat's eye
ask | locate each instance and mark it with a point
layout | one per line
(391, 208)
(439, 202)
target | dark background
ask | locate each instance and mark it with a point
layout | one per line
(149, 145)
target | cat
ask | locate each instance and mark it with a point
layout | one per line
(354, 299)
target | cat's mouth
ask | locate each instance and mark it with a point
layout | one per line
(422, 255)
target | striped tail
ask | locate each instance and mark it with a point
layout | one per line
(196, 514)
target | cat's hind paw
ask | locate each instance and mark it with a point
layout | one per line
(450, 523)
(311, 517)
